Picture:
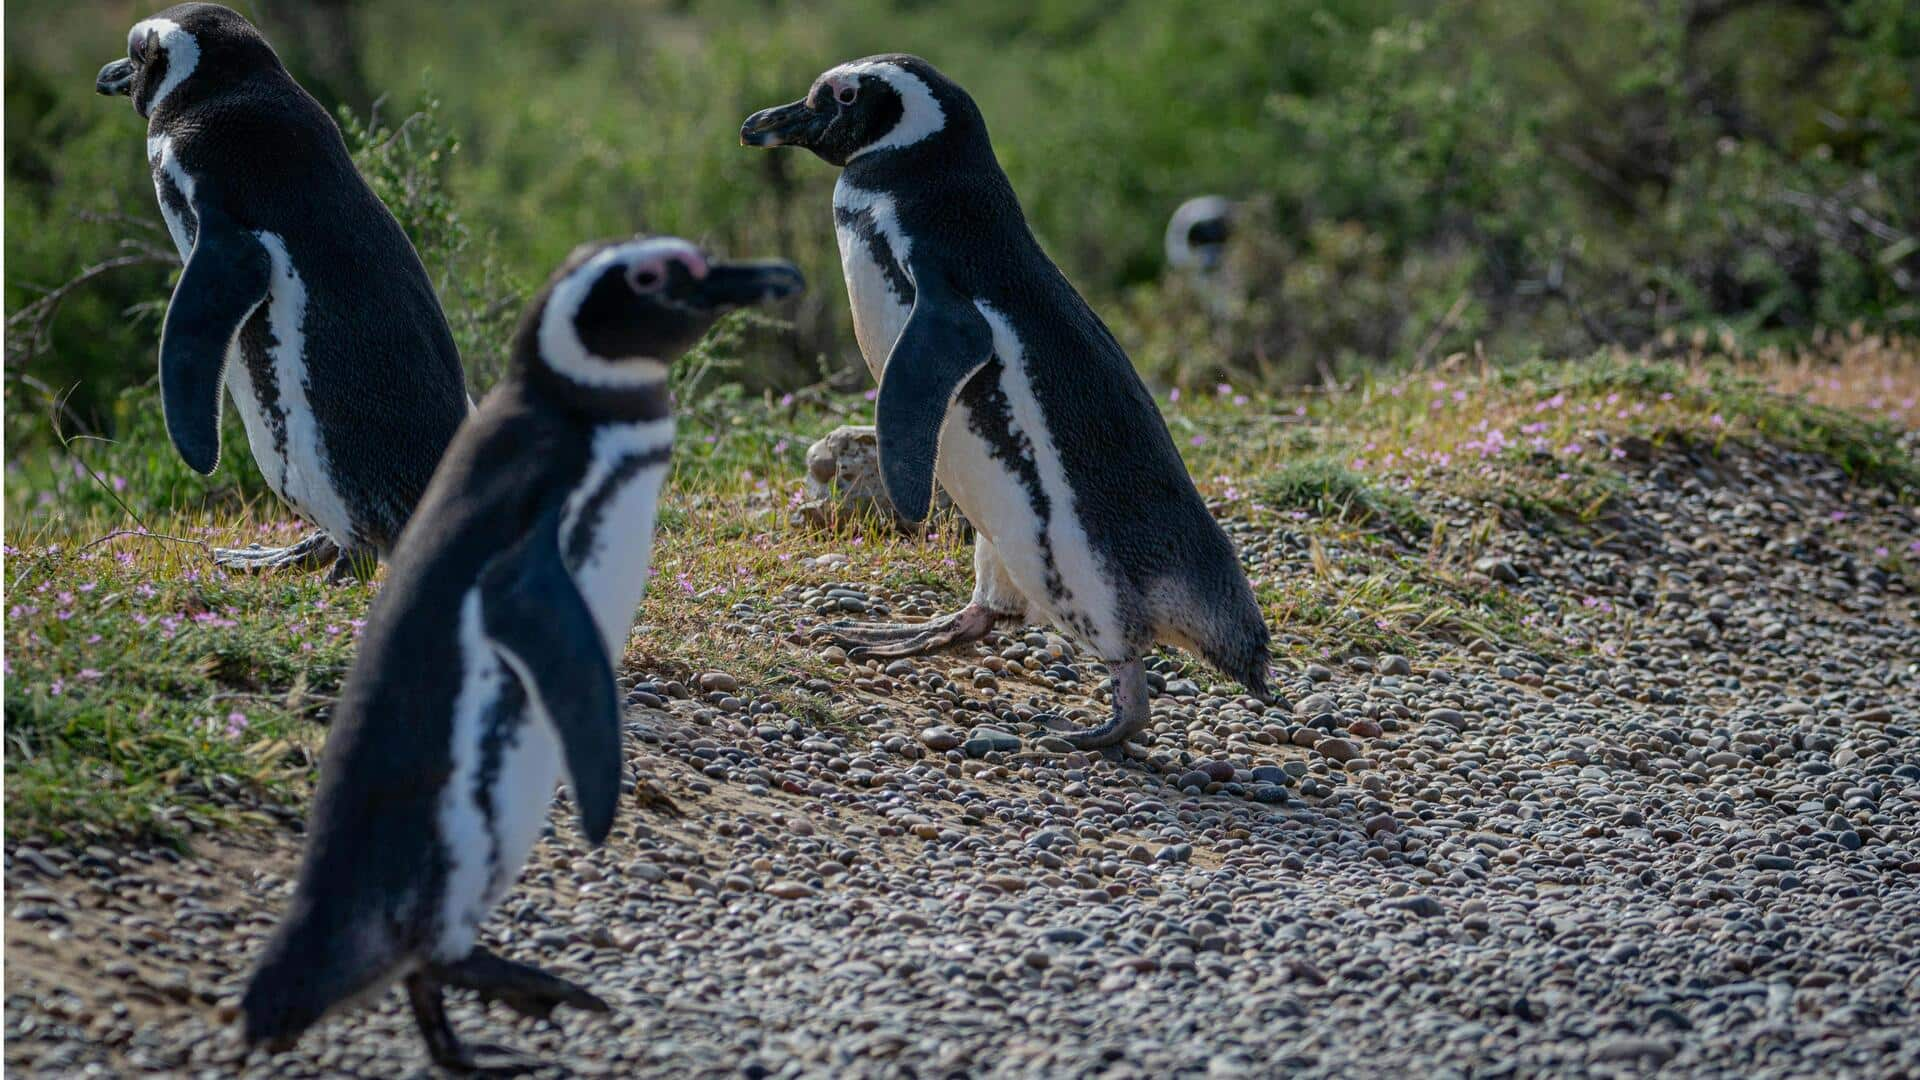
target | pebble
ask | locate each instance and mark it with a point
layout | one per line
(1687, 844)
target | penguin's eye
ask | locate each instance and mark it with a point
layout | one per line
(137, 48)
(647, 278)
(846, 94)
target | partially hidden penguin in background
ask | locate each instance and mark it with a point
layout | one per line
(996, 377)
(485, 673)
(301, 294)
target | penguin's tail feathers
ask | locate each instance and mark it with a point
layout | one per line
(1245, 662)
(311, 967)
(1237, 642)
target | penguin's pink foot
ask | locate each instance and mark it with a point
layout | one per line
(892, 641)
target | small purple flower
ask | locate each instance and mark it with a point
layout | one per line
(1197, 440)
(1173, 394)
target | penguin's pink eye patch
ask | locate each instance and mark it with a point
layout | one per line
(846, 94)
(652, 273)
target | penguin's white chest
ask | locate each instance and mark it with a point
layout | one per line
(174, 187)
(505, 767)
(506, 762)
(270, 389)
(282, 430)
(998, 461)
(873, 257)
(606, 526)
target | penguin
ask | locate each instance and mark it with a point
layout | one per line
(485, 671)
(999, 380)
(301, 294)
(1197, 235)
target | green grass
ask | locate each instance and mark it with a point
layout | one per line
(127, 657)
(149, 693)
(1326, 488)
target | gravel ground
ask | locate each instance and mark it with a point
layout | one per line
(1695, 848)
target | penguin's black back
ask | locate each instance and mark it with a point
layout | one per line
(385, 380)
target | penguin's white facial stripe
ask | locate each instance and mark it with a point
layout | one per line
(920, 113)
(182, 49)
(560, 340)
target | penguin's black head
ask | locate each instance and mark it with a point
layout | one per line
(618, 313)
(878, 104)
(185, 52)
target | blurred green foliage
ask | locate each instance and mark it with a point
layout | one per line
(1418, 177)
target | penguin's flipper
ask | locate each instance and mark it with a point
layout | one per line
(945, 341)
(540, 625)
(227, 277)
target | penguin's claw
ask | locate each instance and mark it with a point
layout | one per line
(892, 641)
(1131, 711)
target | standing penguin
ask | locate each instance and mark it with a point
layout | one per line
(301, 293)
(485, 671)
(998, 379)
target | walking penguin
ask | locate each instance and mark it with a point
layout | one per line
(996, 377)
(301, 293)
(485, 672)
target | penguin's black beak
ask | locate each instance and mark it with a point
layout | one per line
(783, 125)
(116, 79)
(729, 285)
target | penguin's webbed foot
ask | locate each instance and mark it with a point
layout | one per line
(892, 641)
(310, 553)
(1131, 710)
(521, 987)
(446, 1049)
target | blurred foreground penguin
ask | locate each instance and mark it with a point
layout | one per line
(301, 293)
(998, 379)
(485, 673)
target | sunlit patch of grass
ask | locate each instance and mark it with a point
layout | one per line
(127, 661)
(149, 693)
(1329, 489)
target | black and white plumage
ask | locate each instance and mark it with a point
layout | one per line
(301, 294)
(484, 675)
(1197, 234)
(996, 377)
